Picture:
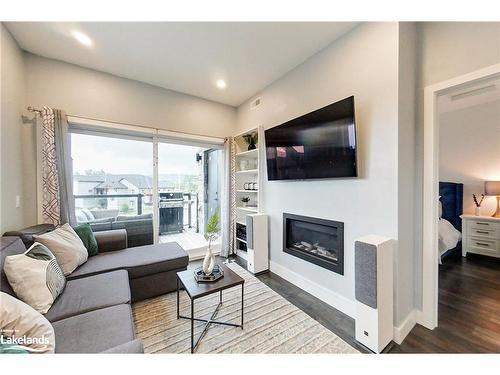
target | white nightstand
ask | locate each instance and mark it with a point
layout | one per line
(481, 235)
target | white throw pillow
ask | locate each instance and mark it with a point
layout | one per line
(35, 277)
(21, 324)
(88, 214)
(66, 246)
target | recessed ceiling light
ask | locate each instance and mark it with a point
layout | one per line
(82, 38)
(221, 84)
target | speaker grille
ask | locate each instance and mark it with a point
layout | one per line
(249, 221)
(365, 270)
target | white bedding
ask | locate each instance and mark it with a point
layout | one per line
(448, 237)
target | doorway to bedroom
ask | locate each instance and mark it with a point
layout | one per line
(466, 164)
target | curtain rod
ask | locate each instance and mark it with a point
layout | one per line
(39, 111)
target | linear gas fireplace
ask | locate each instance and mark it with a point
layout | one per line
(315, 240)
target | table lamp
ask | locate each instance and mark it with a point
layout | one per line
(492, 188)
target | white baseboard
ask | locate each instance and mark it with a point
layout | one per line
(423, 320)
(338, 301)
(401, 331)
(335, 300)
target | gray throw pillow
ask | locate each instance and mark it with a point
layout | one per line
(35, 277)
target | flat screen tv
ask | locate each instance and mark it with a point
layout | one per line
(320, 144)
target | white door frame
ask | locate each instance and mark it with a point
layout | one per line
(430, 269)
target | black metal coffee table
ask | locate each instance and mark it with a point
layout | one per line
(197, 290)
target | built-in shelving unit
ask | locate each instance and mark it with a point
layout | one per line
(247, 172)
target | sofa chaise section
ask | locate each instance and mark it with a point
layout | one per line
(151, 269)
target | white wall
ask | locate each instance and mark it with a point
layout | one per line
(12, 135)
(445, 50)
(88, 93)
(363, 63)
(469, 151)
(85, 92)
(404, 288)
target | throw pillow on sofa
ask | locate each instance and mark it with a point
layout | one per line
(19, 320)
(88, 214)
(66, 246)
(80, 216)
(87, 236)
(35, 277)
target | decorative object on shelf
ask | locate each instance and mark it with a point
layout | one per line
(211, 234)
(243, 164)
(201, 277)
(245, 200)
(477, 210)
(251, 139)
(255, 186)
(492, 188)
(246, 185)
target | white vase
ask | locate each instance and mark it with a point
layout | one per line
(477, 211)
(208, 262)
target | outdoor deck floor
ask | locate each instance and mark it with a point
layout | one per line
(188, 240)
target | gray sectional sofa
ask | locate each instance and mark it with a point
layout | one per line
(93, 314)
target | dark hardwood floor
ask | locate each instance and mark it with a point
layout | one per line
(469, 309)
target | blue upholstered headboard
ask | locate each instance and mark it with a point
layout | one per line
(452, 201)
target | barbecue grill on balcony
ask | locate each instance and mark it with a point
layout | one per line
(171, 206)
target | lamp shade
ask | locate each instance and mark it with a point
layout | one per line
(492, 188)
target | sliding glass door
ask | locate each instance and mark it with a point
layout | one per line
(157, 189)
(188, 185)
(113, 185)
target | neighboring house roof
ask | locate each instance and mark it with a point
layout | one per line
(139, 181)
(111, 185)
(96, 178)
(112, 181)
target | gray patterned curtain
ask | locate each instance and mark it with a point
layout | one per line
(57, 172)
(228, 203)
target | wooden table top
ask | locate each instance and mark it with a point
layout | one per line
(197, 289)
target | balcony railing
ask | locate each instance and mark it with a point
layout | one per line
(143, 205)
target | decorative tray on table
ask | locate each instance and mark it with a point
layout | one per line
(216, 274)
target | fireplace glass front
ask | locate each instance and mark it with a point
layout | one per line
(318, 241)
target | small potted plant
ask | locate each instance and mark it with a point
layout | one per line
(211, 234)
(477, 210)
(251, 139)
(245, 200)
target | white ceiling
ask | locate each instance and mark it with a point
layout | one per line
(186, 57)
(470, 95)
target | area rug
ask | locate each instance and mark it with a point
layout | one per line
(271, 324)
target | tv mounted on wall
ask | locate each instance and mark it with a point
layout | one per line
(320, 144)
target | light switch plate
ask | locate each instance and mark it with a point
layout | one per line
(18, 201)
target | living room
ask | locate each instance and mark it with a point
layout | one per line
(171, 193)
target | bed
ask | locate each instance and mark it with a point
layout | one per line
(450, 223)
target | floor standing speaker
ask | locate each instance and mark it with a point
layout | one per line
(373, 274)
(257, 243)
